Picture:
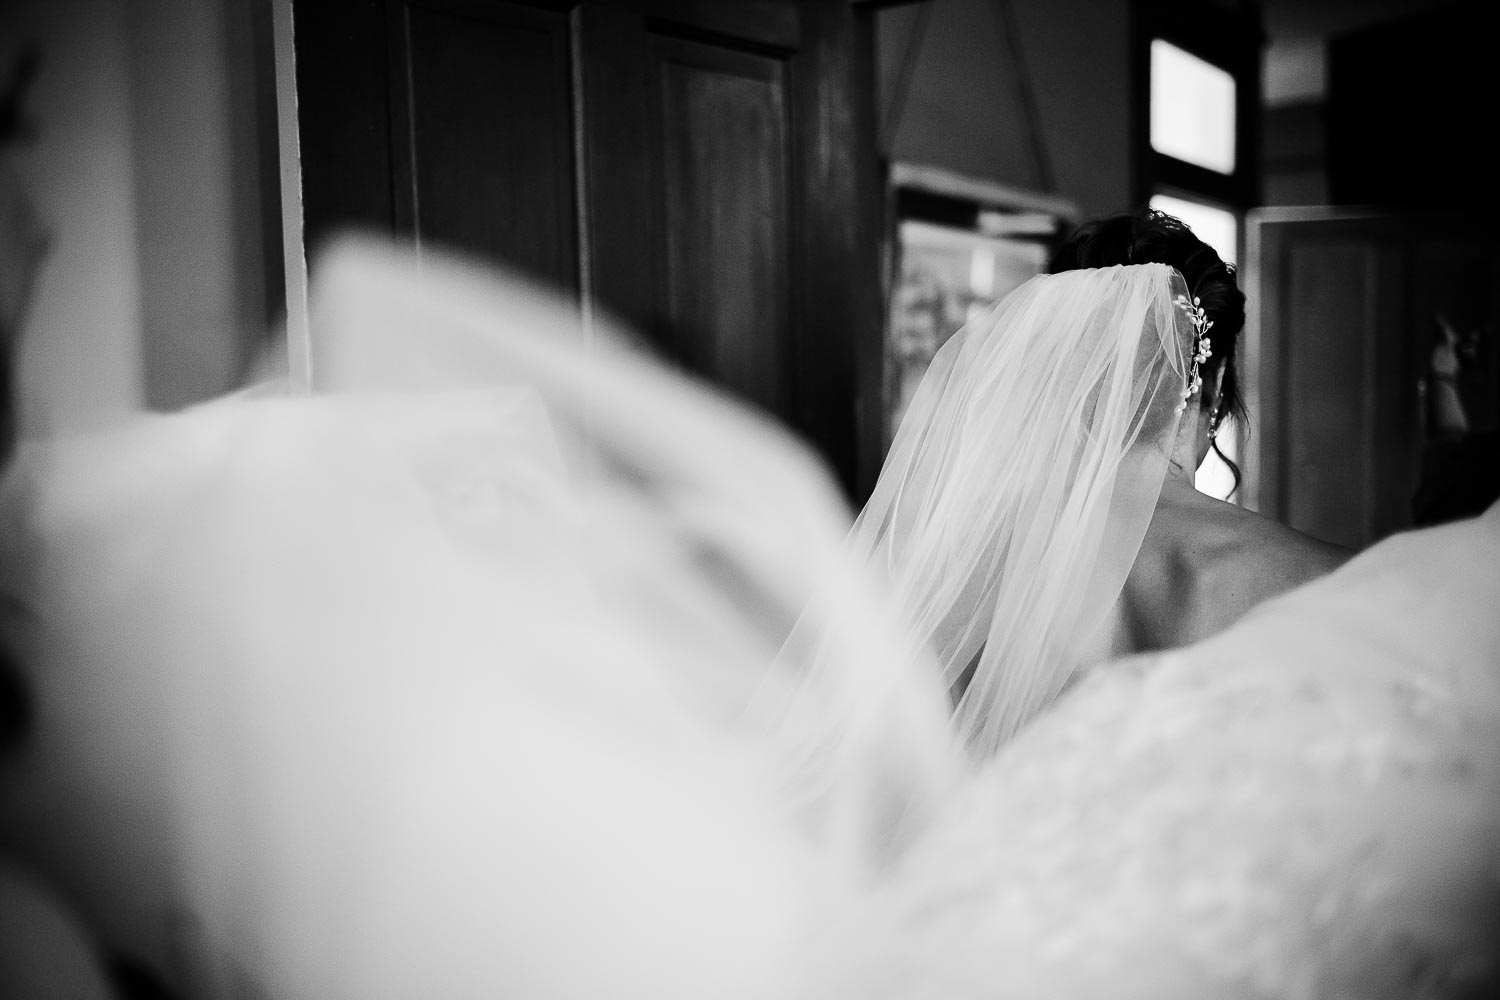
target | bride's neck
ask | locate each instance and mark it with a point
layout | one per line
(1188, 452)
(1178, 488)
(1180, 508)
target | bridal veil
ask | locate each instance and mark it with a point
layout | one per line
(1020, 484)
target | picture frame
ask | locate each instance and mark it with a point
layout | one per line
(957, 245)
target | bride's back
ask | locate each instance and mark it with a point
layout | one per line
(1203, 565)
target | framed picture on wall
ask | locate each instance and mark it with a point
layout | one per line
(958, 245)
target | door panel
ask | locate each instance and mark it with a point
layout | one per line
(483, 142)
(704, 171)
(725, 215)
(748, 172)
(1338, 300)
(1342, 320)
(343, 117)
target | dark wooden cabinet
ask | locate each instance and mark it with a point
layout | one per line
(704, 171)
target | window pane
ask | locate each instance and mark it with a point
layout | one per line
(947, 277)
(1215, 226)
(1213, 476)
(1192, 108)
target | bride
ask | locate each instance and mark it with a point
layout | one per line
(1203, 563)
(1037, 512)
(465, 676)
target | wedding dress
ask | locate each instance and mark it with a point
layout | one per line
(464, 676)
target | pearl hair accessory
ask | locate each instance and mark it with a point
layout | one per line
(1202, 346)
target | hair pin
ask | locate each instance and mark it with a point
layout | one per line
(1202, 346)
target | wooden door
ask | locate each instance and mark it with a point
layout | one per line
(1342, 320)
(704, 171)
(482, 133)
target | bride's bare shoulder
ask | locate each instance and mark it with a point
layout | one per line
(1243, 560)
(1206, 563)
(1270, 555)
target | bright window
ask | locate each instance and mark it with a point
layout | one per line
(1192, 108)
(1195, 161)
(1213, 476)
(1217, 227)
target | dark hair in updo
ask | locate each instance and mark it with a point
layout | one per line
(1147, 236)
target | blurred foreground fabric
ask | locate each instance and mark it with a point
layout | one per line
(459, 677)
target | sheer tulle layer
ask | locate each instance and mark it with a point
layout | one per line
(1020, 484)
(453, 674)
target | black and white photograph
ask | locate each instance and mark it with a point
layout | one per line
(749, 500)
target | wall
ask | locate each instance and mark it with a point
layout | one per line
(1294, 154)
(1293, 141)
(962, 105)
(198, 112)
(1340, 127)
(144, 167)
(1419, 138)
(80, 361)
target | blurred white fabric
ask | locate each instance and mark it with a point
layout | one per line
(460, 678)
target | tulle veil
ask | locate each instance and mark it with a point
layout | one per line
(535, 587)
(1018, 488)
(462, 668)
